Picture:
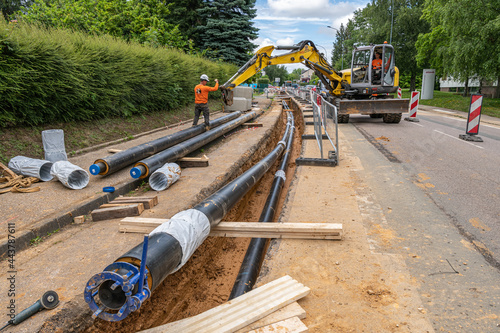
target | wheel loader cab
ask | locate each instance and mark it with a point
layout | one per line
(370, 77)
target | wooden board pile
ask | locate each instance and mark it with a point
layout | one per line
(123, 207)
(269, 308)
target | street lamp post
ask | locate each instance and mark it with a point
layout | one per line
(341, 44)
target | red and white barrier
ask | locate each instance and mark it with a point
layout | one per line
(415, 95)
(472, 129)
(400, 93)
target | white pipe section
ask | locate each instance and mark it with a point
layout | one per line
(31, 167)
(53, 145)
(190, 228)
(165, 176)
(70, 175)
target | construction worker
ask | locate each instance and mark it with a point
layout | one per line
(201, 100)
(377, 62)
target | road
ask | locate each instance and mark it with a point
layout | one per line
(439, 198)
(462, 177)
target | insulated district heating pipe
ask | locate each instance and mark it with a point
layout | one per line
(168, 247)
(146, 167)
(118, 161)
(250, 267)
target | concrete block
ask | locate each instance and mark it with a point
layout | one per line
(246, 92)
(239, 104)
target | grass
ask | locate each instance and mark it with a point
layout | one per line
(27, 141)
(454, 101)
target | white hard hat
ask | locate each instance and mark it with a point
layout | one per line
(204, 77)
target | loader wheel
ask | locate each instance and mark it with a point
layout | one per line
(343, 118)
(376, 115)
(392, 118)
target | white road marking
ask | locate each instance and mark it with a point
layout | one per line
(416, 124)
(451, 136)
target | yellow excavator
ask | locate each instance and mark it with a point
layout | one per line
(363, 89)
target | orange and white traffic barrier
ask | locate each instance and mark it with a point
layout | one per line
(472, 129)
(415, 95)
(400, 93)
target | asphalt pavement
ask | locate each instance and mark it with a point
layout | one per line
(440, 194)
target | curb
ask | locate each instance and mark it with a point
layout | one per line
(42, 228)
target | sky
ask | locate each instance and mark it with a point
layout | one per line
(287, 22)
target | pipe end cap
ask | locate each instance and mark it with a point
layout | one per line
(95, 169)
(135, 173)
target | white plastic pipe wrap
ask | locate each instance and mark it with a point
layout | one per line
(53, 145)
(165, 176)
(70, 175)
(31, 167)
(190, 227)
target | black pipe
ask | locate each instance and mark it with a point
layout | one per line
(218, 204)
(147, 166)
(166, 252)
(118, 161)
(250, 267)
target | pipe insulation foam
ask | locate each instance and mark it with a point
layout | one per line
(190, 228)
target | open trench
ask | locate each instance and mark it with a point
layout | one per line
(208, 277)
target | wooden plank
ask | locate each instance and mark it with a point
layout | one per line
(153, 197)
(114, 151)
(117, 212)
(242, 310)
(252, 124)
(79, 219)
(306, 230)
(147, 202)
(289, 311)
(193, 162)
(290, 325)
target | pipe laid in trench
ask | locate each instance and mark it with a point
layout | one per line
(108, 165)
(250, 267)
(170, 246)
(146, 167)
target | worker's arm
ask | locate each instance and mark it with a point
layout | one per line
(214, 88)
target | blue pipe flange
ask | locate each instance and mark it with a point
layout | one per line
(126, 282)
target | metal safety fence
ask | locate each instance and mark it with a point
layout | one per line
(324, 122)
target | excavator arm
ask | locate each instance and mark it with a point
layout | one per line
(304, 52)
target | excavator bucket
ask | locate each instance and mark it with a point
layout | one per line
(227, 96)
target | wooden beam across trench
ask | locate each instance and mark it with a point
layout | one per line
(305, 230)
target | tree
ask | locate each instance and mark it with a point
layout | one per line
(138, 20)
(228, 29)
(465, 42)
(9, 7)
(340, 54)
(295, 74)
(372, 24)
(275, 71)
(184, 14)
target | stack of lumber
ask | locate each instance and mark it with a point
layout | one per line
(255, 311)
(248, 229)
(123, 207)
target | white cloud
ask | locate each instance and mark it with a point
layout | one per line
(310, 10)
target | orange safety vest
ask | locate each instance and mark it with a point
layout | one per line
(377, 63)
(201, 93)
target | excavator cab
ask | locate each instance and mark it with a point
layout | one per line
(373, 70)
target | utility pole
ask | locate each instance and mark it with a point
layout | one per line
(341, 44)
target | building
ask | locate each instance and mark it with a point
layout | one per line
(306, 75)
(449, 84)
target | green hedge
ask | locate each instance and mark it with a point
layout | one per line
(49, 75)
